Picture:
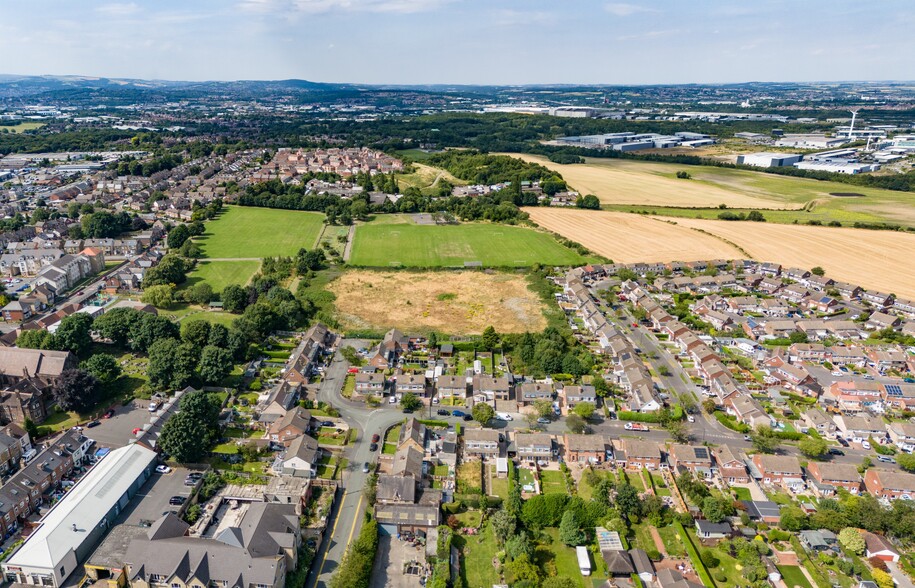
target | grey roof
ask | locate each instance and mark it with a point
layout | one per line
(395, 488)
(167, 526)
(618, 562)
(641, 561)
(305, 448)
(762, 508)
(408, 461)
(712, 528)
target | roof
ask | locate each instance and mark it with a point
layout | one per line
(781, 464)
(618, 562)
(762, 508)
(83, 508)
(305, 448)
(713, 528)
(408, 460)
(17, 362)
(395, 488)
(876, 543)
(641, 561)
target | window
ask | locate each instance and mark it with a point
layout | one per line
(176, 585)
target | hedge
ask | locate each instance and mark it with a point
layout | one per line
(694, 555)
(732, 424)
(676, 414)
(433, 423)
(789, 435)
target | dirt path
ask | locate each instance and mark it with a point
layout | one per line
(349, 242)
(658, 542)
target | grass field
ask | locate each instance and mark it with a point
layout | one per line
(456, 303)
(563, 557)
(553, 482)
(248, 232)
(639, 185)
(628, 238)
(793, 577)
(219, 274)
(22, 127)
(477, 554)
(411, 245)
(425, 178)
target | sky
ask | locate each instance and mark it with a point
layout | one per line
(462, 41)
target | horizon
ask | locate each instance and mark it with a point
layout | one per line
(463, 42)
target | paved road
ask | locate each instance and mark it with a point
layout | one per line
(347, 517)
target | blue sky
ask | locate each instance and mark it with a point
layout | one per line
(462, 41)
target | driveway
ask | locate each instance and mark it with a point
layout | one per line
(902, 580)
(391, 564)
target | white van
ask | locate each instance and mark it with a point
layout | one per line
(503, 416)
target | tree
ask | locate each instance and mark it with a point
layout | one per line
(709, 406)
(74, 333)
(489, 339)
(793, 519)
(584, 409)
(756, 216)
(503, 524)
(103, 367)
(195, 332)
(627, 501)
(543, 408)
(234, 298)
(559, 582)
(36, 339)
(410, 402)
(713, 510)
(215, 364)
(678, 431)
(521, 569)
(590, 202)
(764, 439)
(172, 269)
(115, 325)
(882, 578)
(177, 236)
(798, 337)
(576, 424)
(813, 447)
(906, 461)
(201, 294)
(852, 540)
(183, 438)
(570, 531)
(483, 413)
(75, 390)
(817, 271)
(160, 296)
(171, 364)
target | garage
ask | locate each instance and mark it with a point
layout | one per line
(387, 530)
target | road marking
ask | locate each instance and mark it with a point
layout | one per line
(332, 533)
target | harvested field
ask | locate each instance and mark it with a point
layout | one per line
(880, 260)
(456, 303)
(627, 238)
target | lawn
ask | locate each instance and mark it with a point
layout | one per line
(470, 518)
(259, 232)
(477, 552)
(219, 274)
(22, 127)
(469, 477)
(525, 477)
(741, 493)
(672, 542)
(643, 537)
(553, 482)
(793, 577)
(563, 557)
(499, 486)
(411, 245)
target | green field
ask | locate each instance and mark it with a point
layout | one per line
(793, 577)
(248, 232)
(219, 274)
(390, 244)
(21, 127)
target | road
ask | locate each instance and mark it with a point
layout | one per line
(347, 516)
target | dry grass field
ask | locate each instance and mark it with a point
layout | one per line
(617, 181)
(628, 238)
(456, 303)
(879, 260)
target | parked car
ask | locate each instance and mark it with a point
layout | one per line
(834, 451)
(153, 407)
(435, 400)
(690, 418)
(392, 400)
(176, 500)
(503, 416)
(747, 438)
(163, 469)
(366, 467)
(108, 413)
(91, 424)
(842, 441)
(195, 476)
(457, 413)
(408, 411)
(866, 445)
(885, 459)
(442, 412)
(544, 421)
(635, 427)
(376, 438)
(373, 447)
(467, 417)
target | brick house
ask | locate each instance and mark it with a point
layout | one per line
(534, 446)
(593, 449)
(369, 384)
(452, 387)
(294, 423)
(890, 484)
(731, 469)
(827, 477)
(482, 443)
(531, 392)
(636, 455)
(694, 458)
(782, 470)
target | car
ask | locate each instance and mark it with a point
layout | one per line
(435, 400)
(392, 400)
(690, 418)
(834, 451)
(373, 447)
(193, 477)
(327, 423)
(163, 469)
(91, 424)
(136, 430)
(408, 411)
(81, 292)
(865, 445)
(153, 407)
(842, 441)
(747, 438)
(169, 512)
(366, 467)
(244, 402)
(503, 416)
(442, 412)
(636, 427)
(457, 413)
(467, 417)
(108, 413)
(885, 459)
(176, 500)
(376, 438)
(544, 421)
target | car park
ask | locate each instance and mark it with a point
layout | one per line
(163, 469)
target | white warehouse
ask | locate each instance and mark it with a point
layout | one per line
(765, 159)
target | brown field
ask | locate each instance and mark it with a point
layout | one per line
(616, 181)
(628, 238)
(456, 303)
(874, 259)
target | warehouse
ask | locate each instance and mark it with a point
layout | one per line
(765, 159)
(74, 526)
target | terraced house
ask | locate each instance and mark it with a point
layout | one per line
(534, 447)
(451, 387)
(827, 477)
(482, 443)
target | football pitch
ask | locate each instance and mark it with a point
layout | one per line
(248, 232)
(492, 245)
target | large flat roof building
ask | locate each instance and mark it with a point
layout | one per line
(74, 526)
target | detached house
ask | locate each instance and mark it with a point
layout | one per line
(534, 446)
(302, 457)
(531, 392)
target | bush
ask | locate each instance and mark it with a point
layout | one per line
(731, 423)
(709, 559)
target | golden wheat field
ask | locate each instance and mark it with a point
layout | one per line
(879, 260)
(628, 238)
(634, 182)
(452, 302)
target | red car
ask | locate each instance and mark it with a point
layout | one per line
(108, 414)
(375, 438)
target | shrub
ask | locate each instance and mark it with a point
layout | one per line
(709, 559)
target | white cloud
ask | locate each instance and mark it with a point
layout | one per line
(508, 17)
(292, 7)
(119, 9)
(623, 9)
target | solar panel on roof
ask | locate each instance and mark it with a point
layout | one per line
(701, 452)
(893, 390)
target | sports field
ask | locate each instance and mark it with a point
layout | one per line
(249, 232)
(628, 238)
(387, 244)
(456, 303)
(639, 185)
(219, 274)
(22, 127)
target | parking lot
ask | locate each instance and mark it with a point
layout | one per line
(117, 431)
(152, 500)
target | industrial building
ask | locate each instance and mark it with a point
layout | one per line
(766, 159)
(627, 141)
(810, 141)
(74, 526)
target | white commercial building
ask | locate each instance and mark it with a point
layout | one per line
(766, 159)
(71, 530)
